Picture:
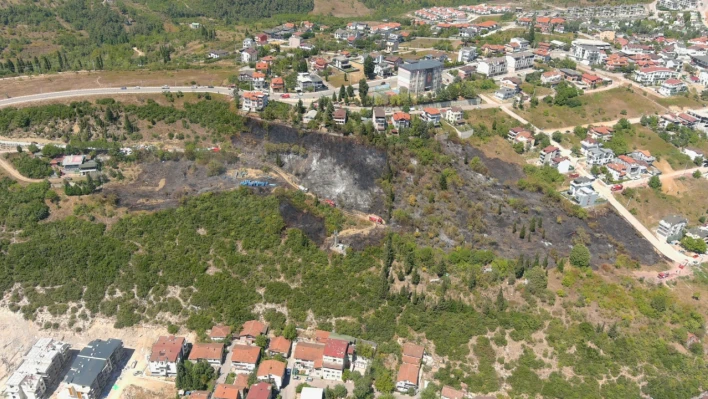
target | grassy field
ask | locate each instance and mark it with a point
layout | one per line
(74, 80)
(337, 77)
(340, 8)
(497, 147)
(646, 139)
(597, 107)
(678, 196)
(529, 88)
(688, 101)
(487, 117)
(420, 42)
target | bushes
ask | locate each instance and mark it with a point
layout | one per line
(34, 168)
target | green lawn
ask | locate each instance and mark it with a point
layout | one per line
(646, 139)
(597, 108)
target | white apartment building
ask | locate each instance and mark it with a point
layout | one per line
(422, 76)
(654, 75)
(40, 368)
(492, 66)
(254, 101)
(518, 61)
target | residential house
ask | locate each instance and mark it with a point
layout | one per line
(248, 43)
(633, 167)
(199, 395)
(672, 87)
(91, 369)
(522, 43)
(466, 54)
(340, 118)
(41, 367)
(513, 132)
(401, 120)
(588, 54)
(599, 156)
(407, 377)
(652, 76)
(692, 152)
(309, 116)
(486, 26)
(587, 144)
(671, 227)
(642, 155)
(449, 392)
(547, 154)
(217, 54)
(379, 118)
(421, 76)
(272, 371)
(615, 62)
(412, 353)
(312, 393)
(309, 82)
(341, 62)
(519, 61)
(308, 356)
(260, 390)
(431, 115)
(227, 391)
(571, 75)
(212, 353)
(562, 164)
(245, 75)
(335, 359)
(251, 330)
(591, 80)
(551, 77)
(72, 163)
(585, 197)
(618, 171)
(454, 115)
(220, 332)
(541, 55)
(525, 138)
(249, 55)
(466, 71)
(254, 101)
(258, 80)
(166, 353)
(580, 183)
(600, 133)
(277, 84)
(294, 41)
(393, 60)
(505, 93)
(492, 49)
(244, 358)
(261, 39)
(262, 66)
(492, 66)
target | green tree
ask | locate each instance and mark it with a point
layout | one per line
(261, 341)
(655, 182)
(580, 256)
(290, 332)
(363, 91)
(369, 66)
(696, 245)
(697, 174)
(501, 301)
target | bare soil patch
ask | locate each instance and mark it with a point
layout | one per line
(340, 8)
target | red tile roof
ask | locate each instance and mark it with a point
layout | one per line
(673, 82)
(655, 69)
(253, 328)
(321, 336)
(431, 111)
(241, 381)
(271, 367)
(550, 149)
(401, 116)
(411, 349)
(486, 24)
(408, 372)
(336, 348)
(166, 349)
(199, 395)
(602, 130)
(206, 351)
(220, 331)
(452, 393)
(309, 352)
(226, 391)
(280, 344)
(261, 390)
(246, 354)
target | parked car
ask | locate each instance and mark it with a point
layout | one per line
(617, 187)
(308, 379)
(165, 87)
(285, 95)
(124, 88)
(574, 175)
(297, 377)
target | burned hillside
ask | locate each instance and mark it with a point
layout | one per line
(483, 206)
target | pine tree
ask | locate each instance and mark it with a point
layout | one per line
(499, 209)
(513, 229)
(443, 181)
(532, 226)
(415, 279)
(501, 301)
(342, 92)
(522, 234)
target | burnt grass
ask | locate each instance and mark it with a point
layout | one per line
(333, 167)
(467, 214)
(312, 226)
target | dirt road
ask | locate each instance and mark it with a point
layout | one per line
(13, 172)
(672, 175)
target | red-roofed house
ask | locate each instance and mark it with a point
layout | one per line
(551, 77)
(600, 133)
(407, 377)
(226, 391)
(272, 371)
(200, 395)
(244, 358)
(166, 354)
(220, 332)
(547, 154)
(261, 390)
(253, 101)
(401, 120)
(449, 392)
(262, 66)
(279, 345)
(616, 170)
(252, 329)
(591, 80)
(277, 84)
(211, 353)
(672, 87)
(412, 353)
(335, 359)
(488, 25)
(431, 115)
(308, 356)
